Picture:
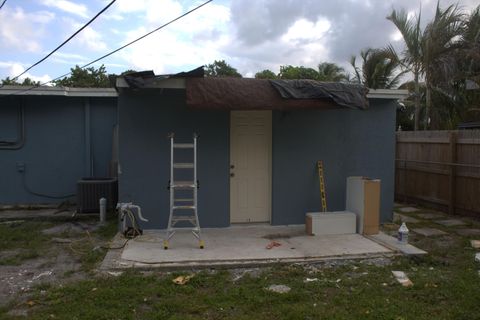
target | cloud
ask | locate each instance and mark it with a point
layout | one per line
(15, 68)
(268, 33)
(91, 39)
(69, 58)
(22, 30)
(194, 40)
(68, 6)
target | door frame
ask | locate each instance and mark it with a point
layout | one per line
(269, 169)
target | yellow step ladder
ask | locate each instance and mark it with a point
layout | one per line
(323, 195)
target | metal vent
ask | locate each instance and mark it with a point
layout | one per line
(90, 190)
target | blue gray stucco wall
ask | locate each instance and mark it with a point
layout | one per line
(350, 142)
(56, 152)
(144, 153)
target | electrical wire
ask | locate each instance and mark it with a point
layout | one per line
(26, 187)
(114, 51)
(64, 42)
(3, 3)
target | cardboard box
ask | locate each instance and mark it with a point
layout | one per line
(363, 198)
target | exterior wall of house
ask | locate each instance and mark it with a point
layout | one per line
(144, 152)
(57, 151)
(350, 143)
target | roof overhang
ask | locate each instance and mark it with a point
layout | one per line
(180, 83)
(392, 94)
(9, 90)
(159, 83)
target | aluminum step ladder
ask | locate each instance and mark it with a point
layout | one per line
(183, 210)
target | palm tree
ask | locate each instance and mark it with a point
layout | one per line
(429, 52)
(331, 72)
(379, 68)
(440, 39)
(412, 55)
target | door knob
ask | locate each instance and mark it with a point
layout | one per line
(232, 174)
(232, 166)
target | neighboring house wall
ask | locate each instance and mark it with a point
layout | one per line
(350, 142)
(66, 138)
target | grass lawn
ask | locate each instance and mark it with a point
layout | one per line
(446, 286)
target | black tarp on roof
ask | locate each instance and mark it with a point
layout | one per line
(345, 95)
(257, 94)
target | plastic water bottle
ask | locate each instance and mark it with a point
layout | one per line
(403, 234)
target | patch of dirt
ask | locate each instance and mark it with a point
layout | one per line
(70, 227)
(59, 269)
(238, 274)
(61, 264)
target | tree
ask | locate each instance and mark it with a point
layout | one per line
(26, 82)
(219, 68)
(86, 78)
(460, 88)
(265, 74)
(439, 42)
(291, 72)
(380, 68)
(428, 53)
(331, 72)
(412, 54)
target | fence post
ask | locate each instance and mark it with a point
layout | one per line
(452, 172)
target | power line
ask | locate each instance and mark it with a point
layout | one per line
(136, 40)
(116, 50)
(64, 42)
(3, 3)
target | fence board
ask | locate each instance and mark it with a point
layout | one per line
(440, 168)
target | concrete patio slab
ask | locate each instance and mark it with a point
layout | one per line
(408, 209)
(404, 218)
(451, 222)
(394, 244)
(428, 232)
(430, 216)
(242, 246)
(468, 232)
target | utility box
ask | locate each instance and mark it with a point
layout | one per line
(325, 223)
(90, 190)
(363, 199)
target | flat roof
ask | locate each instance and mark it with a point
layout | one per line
(9, 90)
(171, 83)
(179, 83)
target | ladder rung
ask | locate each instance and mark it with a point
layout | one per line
(196, 229)
(186, 218)
(183, 145)
(183, 165)
(183, 184)
(183, 200)
(183, 207)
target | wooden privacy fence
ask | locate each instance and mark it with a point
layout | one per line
(439, 168)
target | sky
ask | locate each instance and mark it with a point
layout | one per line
(251, 35)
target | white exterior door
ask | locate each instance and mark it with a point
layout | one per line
(250, 166)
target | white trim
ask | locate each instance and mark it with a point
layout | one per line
(387, 94)
(57, 91)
